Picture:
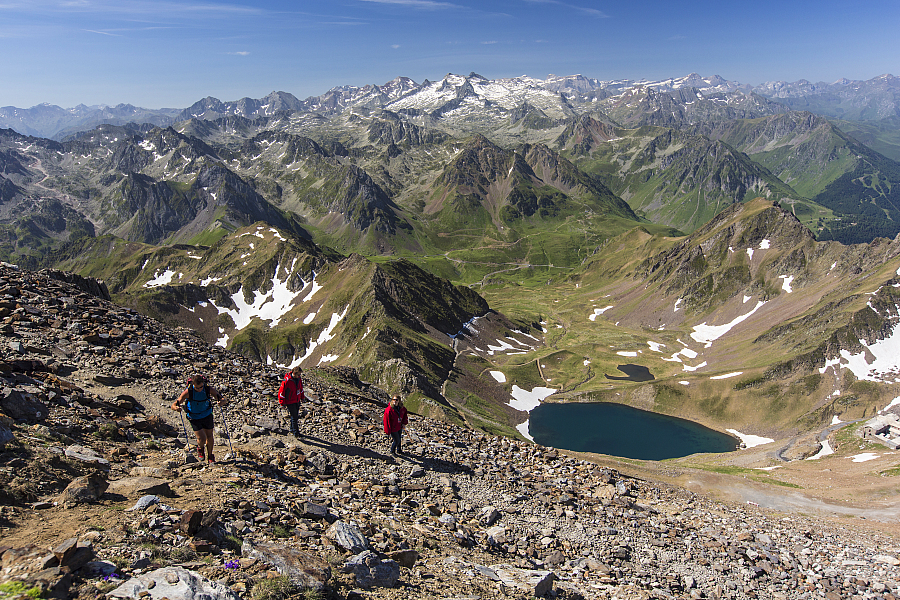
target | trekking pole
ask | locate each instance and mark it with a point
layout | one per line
(227, 433)
(187, 441)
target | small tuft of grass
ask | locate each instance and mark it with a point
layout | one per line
(277, 588)
(282, 531)
(233, 542)
(182, 555)
(17, 589)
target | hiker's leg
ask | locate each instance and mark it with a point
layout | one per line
(395, 445)
(294, 411)
(201, 440)
(208, 433)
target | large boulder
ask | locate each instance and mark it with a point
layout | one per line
(347, 536)
(87, 455)
(22, 407)
(305, 570)
(534, 583)
(135, 487)
(88, 488)
(371, 571)
(173, 583)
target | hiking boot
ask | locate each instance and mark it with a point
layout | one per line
(212, 459)
(200, 454)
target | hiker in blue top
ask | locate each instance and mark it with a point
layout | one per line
(197, 402)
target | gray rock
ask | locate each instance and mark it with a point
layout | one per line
(144, 502)
(112, 381)
(534, 583)
(173, 583)
(488, 516)
(447, 519)
(305, 570)
(162, 350)
(321, 463)
(497, 535)
(131, 487)
(21, 406)
(312, 510)
(372, 571)
(88, 455)
(347, 536)
(150, 472)
(88, 488)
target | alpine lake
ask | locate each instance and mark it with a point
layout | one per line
(619, 430)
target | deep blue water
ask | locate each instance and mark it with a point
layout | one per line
(620, 430)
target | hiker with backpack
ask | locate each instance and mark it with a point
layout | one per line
(197, 403)
(290, 394)
(395, 419)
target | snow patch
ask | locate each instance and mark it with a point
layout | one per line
(764, 245)
(655, 346)
(677, 303)
(598, 312)
(323, 337)
(525, 400)
(707, 334)
(865, 456)
(749, 440)
(309, 318)
(728, 375)
(786, 285)
(523, 429)
(498, 376)
(160, 280)
(892, 404)
(269, 306)
(629, 354)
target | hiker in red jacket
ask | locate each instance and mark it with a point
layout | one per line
(395, 419)
(289, 396)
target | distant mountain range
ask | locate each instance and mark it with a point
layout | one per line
(872, 100)
(472, 237)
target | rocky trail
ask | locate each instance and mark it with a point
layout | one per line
(99, 497)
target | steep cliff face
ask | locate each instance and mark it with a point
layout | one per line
(802, 149)
(584, 134)
(389, 129)
(534, 180)
(146, 210)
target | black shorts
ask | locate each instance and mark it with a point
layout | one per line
(204, 423)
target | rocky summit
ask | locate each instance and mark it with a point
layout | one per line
(101, 497)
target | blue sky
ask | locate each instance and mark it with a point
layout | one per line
(171, 54)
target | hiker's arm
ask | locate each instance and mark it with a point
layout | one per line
(218, 395)
(177, 404)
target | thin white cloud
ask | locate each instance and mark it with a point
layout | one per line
(423, 4)
(239, 53)
(583, 9)
(103, 32)
(395, 46)
(490, 42)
